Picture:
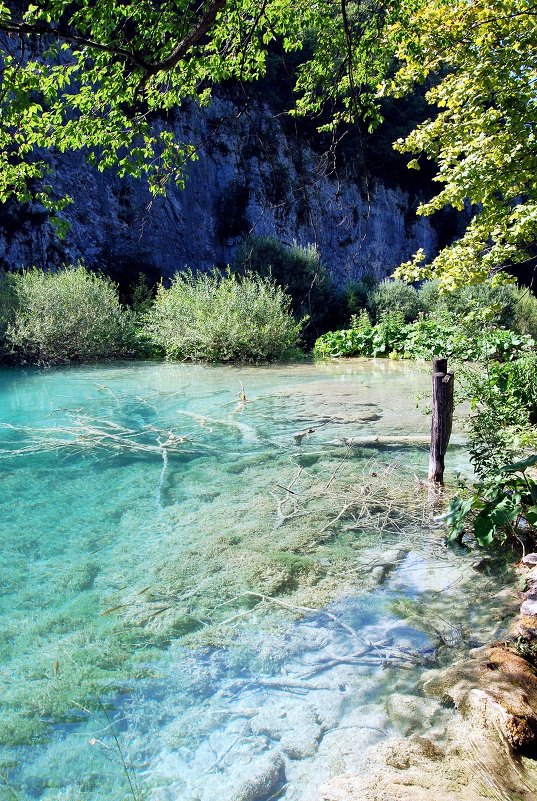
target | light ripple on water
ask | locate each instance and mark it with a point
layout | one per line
(147, 641)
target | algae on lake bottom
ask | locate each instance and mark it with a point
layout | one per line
(165, 547)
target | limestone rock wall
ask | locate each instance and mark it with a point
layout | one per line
(251, 178)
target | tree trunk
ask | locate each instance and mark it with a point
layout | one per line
(442, 419)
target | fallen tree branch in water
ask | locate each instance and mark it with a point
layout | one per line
(89, 433)
(382, 439)
(276, 683)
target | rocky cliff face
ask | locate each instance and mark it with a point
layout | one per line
(252, 177)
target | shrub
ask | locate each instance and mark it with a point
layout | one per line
(503, 502)
(354, 341)
(429, 297)
(8, 302)
(364, 339)
(423, 339)
(500, 301)
(525, 313)
(504, 404)
(389, 334)
(498, 304)
(500, 508)
(215, 318)
(141, 295)
(357, 293)
(71, 315)
(299, 271)
(391, 296)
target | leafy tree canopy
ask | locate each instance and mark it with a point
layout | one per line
(480, 59)
(98, 76)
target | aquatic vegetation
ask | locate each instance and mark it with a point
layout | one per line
(175, 556)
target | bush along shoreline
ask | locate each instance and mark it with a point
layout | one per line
(72, 315)
(75, 316)
(396, 320)
(222, 318)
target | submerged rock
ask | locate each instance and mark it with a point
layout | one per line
(271, 722)
(296, 727)
(403, 770)
(495, 686)
(302, 740)
(467, 766)
(267, 773)
(410, 712)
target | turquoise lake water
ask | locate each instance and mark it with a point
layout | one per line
(207, 568)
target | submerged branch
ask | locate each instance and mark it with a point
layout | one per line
(92, 434)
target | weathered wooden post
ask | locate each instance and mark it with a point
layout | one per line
(442, 418)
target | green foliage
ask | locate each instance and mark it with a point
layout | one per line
(215, 318)
(501, 305)
(357, 294)
(504, 403)
(388, 334)
(71, 315)
(468, 323)
(142, 296)
(298, 270)
(104, 74)
(8, 302)
(355, 341)
(392, 296)
(431, 300)
(498, 507)
(503, 503)
(525, 313)
(423, 339)
(482, 59)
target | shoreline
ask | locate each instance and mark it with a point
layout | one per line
(491, 751)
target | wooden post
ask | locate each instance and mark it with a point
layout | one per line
(442, 419)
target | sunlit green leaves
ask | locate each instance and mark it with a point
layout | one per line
(494, 509)
(92, 81)
(480, 61)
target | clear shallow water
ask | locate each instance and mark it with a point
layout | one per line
(165, 547)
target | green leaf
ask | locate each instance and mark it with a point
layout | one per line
(484, 529)
(531, 515)
(519, 467)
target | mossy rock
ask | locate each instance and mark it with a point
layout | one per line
(280, 572)
(307, 459)
(184, 624)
